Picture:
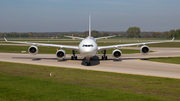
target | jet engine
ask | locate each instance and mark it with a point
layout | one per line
(116, 53)
(144, 50)
(33, 50)
(61, 54)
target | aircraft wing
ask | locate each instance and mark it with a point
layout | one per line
(133, 44)
(43, 44)
(105, 37)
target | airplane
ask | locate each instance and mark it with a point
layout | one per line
(88, 47)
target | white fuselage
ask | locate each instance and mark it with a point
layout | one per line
(88, 47)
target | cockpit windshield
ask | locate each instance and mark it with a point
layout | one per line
(87, 45)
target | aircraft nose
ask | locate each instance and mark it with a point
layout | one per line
(88, 52)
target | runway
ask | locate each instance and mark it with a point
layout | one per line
(129, 63)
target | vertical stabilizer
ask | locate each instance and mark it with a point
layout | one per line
(89, 25)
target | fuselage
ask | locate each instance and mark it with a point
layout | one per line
(88, 47)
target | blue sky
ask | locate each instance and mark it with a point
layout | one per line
(72, 15)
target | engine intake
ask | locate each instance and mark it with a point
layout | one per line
(33, 50)
(61, 54)
(144, 50)
(116, 53)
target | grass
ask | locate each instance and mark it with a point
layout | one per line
(174, 60)
(167, 44)
(52, 50)
(24, 82)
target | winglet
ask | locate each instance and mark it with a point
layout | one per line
(173, 39)
(5, 39)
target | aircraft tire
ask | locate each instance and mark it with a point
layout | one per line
(75, 57)
(106, 58)
(102, 57)
(87, 64)
(72, 58)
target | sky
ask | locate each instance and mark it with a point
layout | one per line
(73, 15)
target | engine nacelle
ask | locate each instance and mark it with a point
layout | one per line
(33, 50)
(61, 54)
(117, 53)
(144, 50)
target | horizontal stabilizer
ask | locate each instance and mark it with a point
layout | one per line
(105, 37)
(5, 39)
(74, 37)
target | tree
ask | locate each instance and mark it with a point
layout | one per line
(177, 33)
(133, 32)
(171, 33)
(30, 34)
(157, 35)
(95, 33)
(165, 34)
(86, 33)
(105, 34)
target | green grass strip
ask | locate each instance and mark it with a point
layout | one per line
(24, 82)
(175, 60)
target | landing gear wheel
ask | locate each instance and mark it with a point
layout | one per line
(72, 58)
(106, 58)
(87, 63)
(75, 57)
(102, 57)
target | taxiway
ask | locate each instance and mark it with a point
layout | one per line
(129, 63)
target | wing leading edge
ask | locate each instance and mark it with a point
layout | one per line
(133, 44)
(42, 44)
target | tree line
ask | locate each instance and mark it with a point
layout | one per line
(131, 32)
(135, 32)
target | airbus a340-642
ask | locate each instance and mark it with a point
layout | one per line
(88, 47)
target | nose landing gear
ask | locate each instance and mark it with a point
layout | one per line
(88, 63)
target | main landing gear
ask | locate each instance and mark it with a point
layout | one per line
(74, 57)
(104, 57)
